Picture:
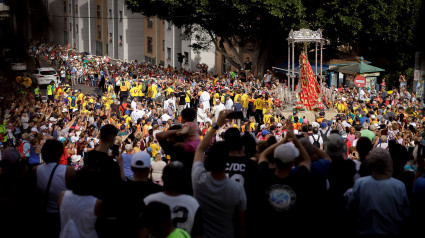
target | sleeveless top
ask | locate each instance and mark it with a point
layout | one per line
(34, 157)
(58, 184)
(77, 215)
(126, 164)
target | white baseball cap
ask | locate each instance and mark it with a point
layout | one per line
(141, 160)
(286, 153)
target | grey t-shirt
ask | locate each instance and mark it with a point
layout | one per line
(218, 199)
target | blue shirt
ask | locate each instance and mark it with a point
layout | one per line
(126, 164)
(238, 107)
(34, 157)
(363, 119)
(26, 148)
(380, 206)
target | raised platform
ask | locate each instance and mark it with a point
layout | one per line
(309, 115)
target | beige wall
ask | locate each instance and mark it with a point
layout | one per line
(157, 34)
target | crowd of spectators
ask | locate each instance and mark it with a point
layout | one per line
(168, 152)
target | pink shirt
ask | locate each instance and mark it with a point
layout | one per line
(193, 133)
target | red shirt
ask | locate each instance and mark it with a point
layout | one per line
(64, 158)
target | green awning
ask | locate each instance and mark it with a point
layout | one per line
(359, 68)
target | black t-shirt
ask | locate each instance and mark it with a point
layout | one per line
(132, 204)
(115, 109)
(109, 172)
(182, 98)
(284, 201)
(248, 65)
(241, 170)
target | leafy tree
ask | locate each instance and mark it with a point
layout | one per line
(255, 27)
(260, 27)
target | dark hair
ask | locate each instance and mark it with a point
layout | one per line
(250, 145)
(189, 114)
(364, 146)
(156, 213)
(108, 131)
(232, 138)
(174, 177)
(217, 156)
(85, 181)
(51, 151)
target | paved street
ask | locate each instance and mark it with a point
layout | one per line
(43, 90)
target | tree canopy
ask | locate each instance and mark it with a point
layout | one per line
(260, 27)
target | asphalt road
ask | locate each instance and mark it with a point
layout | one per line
(43, 90)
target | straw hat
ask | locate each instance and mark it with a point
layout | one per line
(25, 136)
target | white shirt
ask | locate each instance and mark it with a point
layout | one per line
(201, 115)
(136, 114)
(217, 109)
(77, 215)
(24, 122)
(181, 205)
(165, 117)
(229, 104)
(168, 103)
(205, 99)
(133, 104)
(317, 138)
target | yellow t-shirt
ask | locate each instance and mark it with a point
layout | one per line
(154, 90)
(266, 118)
(140, 93)
(155, 149)
(259, 103)
(244, 100)
(169, 90)
(252, 125)
(216, 95)
(341, 108)
(187, 95)
(134, 91)
(237, 96)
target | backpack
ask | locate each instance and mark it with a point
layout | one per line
(325, 135)
(316, 142)
(73, 101)
(21, 149)
(144, 87)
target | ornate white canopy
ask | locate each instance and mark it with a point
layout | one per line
(305, 35)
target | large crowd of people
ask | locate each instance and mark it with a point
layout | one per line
(167, 152)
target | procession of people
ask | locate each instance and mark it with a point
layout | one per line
(167, 152)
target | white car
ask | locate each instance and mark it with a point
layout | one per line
(18, 64)
(43, 76)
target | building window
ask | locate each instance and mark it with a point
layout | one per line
(110, 37)
(70, 27)
(150, 47)
(76, 9)
(99, 32)
(186, 57)
(69, 8)
(120, 15)
(110, 14)
(168, 25)
(65, 24)
(163, 45)
(120, 40)
(150, 23)
(76, 28)
(98, 12)
(64, 6)
(168, 53)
